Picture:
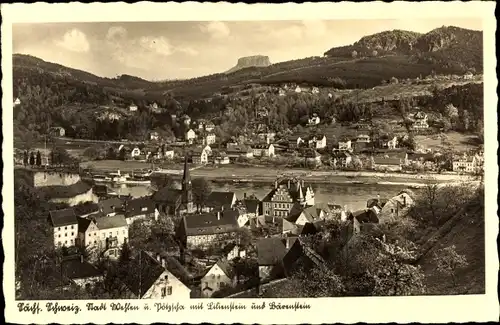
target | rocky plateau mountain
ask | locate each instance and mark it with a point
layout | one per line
(251, 61)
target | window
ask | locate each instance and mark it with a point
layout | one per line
(169, 290)
(392, 210)
(166, 277)
(72, 227)
(65, 241)
(71, 241)
(124, 232)
(222, 284)
(59, 235)
(95, 242)
(65, 234)
(163, 292)
(65, 228)
(72, 233)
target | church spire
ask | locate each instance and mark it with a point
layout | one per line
(187, 191)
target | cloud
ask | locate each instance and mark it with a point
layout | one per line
(187, 50)
(74, 40)
(314, 28)
(116, 33)
(216, 29)
(158, 45)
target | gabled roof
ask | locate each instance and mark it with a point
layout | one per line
(220, 199)
(110, 222)
(260, 146)
(225, 267)
(365, 216)
(64, 217)
(376, 202)
(420, 156)
(110, 205)
(147, 271)
(83, 224)
(211, 223)
(270, 251)
(251, 205)
(295, 190)
(312, 213)
(139, 206)
(74, 268)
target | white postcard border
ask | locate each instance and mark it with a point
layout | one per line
(435, 309)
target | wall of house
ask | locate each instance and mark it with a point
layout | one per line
(393, 211)
(391, 168)
(88, 196)
(215, 279)
(91, 237)
(54, 179)
(167, 286)
(121, 233)
(66, 235)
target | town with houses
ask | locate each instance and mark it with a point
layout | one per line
(185, 239)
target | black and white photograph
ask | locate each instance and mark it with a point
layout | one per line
(212, 160)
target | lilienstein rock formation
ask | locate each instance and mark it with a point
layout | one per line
(251, 61)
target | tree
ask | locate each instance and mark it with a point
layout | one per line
(448, 262)
(354, 54)
(201, 190)
(38, 158)
(374, 53)
(32, 159)
(61, 156)
(92, 153)
(25, 158)
(125, 254)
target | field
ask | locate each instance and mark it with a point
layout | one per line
(458, 141)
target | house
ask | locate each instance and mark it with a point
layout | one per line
(341, 159)
(221, 160)
(142, 208)
(219, 276)
(263, 150)
(202, 230)
(57, 131)
(468, 76)
(295, 141)
(376, 202)
(389, 143)
(80, 272)
(465, 163)
(397, 207)
(218, 200)
(313, 119)
(345, 144)
(209, 126)
(136, 152)
(168, 153)
(235, 152)
(199, 156)
(363, 138)
(270, 253)
(298, 90)
(311, 214)
(386, 164)
(315, 90)
(300, 257)
(250, 209)
(161, 278)
(420, 121)
(132, 108)
(208, 138)
(282, 92)
(284, 195)
(417, 157)
(317, 141)
(186, 119)
(110, 206)
(102, 233)
(65, 227)
(17, 101)
(190, 136)
(312, 157)
(233, 251)
(154, 136)
(361, 217)
(266, 137)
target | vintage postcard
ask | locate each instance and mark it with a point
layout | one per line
(234, 163)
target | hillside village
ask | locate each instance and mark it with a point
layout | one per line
(190, 241)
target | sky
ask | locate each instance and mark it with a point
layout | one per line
(186, 49)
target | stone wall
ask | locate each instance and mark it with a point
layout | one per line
(49, 178)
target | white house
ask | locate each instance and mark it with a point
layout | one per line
(345, 144)
(363, 138)
(298, 90)
(317, 141)
(221, 160)
(391, 143)
(310, 214)
(219, 276)
(65, 227)
(154, 136)
(314, 119)
(315, 90)
(263, 150)
(103, 233)
(190, 136)
(199, 156)
(420, 121)
(235, 252)
(468, 164)
(160, 278)
(17, 102)
(132, 108)
(209, 139)
(209, 126)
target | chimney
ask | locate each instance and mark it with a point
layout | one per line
(163, 263)
(81, 258)
(287, 243)
(288, 183)
(245, 195)
(219, 213)
(276, 184)
(158, 257)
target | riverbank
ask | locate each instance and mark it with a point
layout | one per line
(246, 174)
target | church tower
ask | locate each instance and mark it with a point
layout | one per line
(187, 189)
